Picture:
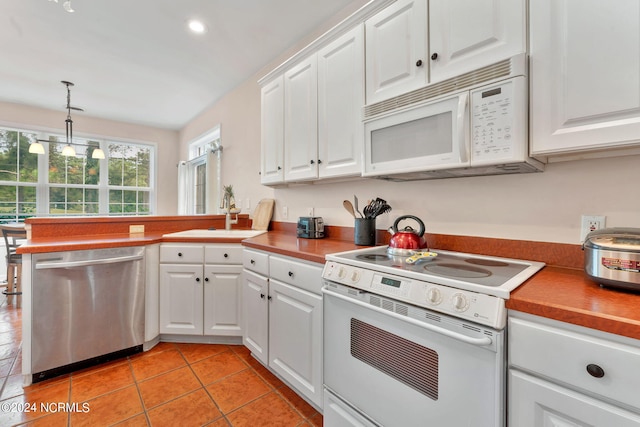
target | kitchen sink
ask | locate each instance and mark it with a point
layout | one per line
(212, 234)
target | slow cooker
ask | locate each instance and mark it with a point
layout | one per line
(612, 257)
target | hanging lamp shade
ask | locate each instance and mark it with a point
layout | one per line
(36, 148)
(68, 151)
(97, 154)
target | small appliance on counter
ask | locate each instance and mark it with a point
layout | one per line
(612, 257)
(310, 227)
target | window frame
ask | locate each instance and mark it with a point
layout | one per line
(43, 186)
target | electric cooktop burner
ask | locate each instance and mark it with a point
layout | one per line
(477, 270)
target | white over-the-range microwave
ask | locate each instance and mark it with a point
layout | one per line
(473, 124)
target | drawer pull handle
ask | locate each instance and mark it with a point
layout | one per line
(595, 370)
(179, 253)
(252, 262)
(226, 255)
(291, 274)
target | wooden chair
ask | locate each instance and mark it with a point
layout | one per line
(14, 262)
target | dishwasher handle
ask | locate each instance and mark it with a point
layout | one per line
(451, 334)
(87, 263)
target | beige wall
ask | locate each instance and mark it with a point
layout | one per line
(541, 207)
(33, 118)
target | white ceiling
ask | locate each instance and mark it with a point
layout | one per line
(134, 60)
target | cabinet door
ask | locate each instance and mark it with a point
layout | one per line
(537, 403)
(585, 75)
(466, 35)
(301, 121)
(223, 300)
(255, 315)
(272, 125)
(295, 338)
(340, 101)
(181, 299)
(396, 50)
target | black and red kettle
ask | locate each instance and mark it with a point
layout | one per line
(406, 241)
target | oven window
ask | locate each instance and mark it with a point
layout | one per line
(410, 363)
(429, 136)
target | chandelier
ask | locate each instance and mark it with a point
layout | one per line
(66, 5)
(68, 149)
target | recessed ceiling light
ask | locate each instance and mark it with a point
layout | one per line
(197, 26)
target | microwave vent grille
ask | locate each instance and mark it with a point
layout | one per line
(491, 72)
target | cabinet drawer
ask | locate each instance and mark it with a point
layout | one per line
(594, 365)
(177, 253)
(256, 261)
(302, 275)
(223, 254)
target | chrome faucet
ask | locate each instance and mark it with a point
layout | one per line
(228, 204)
(228, 222)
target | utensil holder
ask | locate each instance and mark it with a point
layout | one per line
(365, 232)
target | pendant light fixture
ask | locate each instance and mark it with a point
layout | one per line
(68, 150)
(66, 5)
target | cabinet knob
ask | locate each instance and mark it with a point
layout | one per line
(206, 279)
(595, 370)
(279, 168)
(262, 296)
(319, 161)
(419, 63)
(226, 255)
(434, 56)
(179, 253)
(252, 262)
(269, 297)
(197, 279)
(291, 274)
(312, 162)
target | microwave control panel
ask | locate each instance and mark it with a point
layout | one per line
(497, 121)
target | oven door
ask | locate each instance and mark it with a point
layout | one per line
(417, 368)
(427, 137)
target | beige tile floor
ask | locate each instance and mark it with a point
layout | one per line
(171, 385)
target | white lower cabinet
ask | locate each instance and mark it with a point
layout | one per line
(201, 289)
(282, 306)
(566, 375)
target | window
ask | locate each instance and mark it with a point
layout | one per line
(53, 184)
(199, 177)
(18, 175)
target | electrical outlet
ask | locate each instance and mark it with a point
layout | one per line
(309, 211)
(136, 229)
(591, 223)
(285, 212)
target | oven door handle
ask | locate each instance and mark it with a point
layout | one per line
(455, 335)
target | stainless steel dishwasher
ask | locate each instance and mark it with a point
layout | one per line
(87, 307)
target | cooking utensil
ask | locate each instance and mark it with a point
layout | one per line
(349, 207)
(612, 257)
(406, 241)
(417, 256)
(376, 207)
(355, 200)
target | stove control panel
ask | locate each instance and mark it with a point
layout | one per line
(479, 308)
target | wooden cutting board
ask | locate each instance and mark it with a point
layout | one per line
(262, 214)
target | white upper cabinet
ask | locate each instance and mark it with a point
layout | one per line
(340, 101)
(301, 121)
(396, 50)
(585, 75)
(272, 125)
(468, 34)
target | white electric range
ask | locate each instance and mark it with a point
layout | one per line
(417, 342)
